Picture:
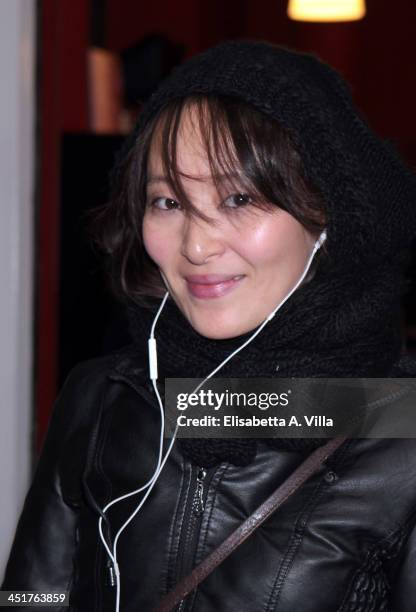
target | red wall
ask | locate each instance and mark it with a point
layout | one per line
(63, 30)
(128, 20)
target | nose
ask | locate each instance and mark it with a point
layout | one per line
(200, 241)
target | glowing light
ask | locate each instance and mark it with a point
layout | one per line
(326, 10)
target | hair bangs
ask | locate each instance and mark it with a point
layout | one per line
(226, 141)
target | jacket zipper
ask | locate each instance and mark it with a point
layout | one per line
(198, 504)
(194, 511)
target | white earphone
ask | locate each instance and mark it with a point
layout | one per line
(153, 374)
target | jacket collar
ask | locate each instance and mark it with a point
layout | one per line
(126, 364)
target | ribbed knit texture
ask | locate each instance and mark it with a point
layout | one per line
(345, 322)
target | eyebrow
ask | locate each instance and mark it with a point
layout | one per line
(157, 179)
(219, 177)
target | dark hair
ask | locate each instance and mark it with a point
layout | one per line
(242, 144)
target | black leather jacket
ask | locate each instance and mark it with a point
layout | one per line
(346, 542)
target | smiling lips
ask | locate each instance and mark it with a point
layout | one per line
(212, 285)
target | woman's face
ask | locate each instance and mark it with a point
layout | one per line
(226, 277)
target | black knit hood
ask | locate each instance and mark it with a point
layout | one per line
(346, 321)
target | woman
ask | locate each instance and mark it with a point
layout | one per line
(250, 184)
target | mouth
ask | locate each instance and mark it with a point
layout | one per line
(212, 286)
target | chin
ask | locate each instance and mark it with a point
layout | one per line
(216, 335)
(216, 325)
(218, 332)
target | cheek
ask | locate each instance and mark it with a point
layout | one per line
(260, 245)
(276, 240)
(156, 243)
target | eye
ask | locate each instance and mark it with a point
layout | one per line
(164, 203)
(238, 200)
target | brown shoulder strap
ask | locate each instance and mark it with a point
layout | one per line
(276, 499)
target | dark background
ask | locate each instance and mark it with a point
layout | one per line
(75, 317)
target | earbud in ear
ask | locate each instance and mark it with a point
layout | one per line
(320, 240)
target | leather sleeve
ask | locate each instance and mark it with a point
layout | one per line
(45, 541)
(404, 588)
